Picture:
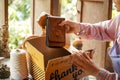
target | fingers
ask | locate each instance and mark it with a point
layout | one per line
(86, 56)
(68, 26)
(63, 23)
(84, 62)
(90, 53)
(76, 60)
(79, 60)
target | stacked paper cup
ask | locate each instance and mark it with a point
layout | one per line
(18, 64)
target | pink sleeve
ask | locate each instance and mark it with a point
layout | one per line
(105, 30)
(106, 75)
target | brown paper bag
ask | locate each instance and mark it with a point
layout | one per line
(55, 34)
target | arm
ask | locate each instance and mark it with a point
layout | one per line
(83, 61)
(106, 75)
(105, 30)
(100, 31)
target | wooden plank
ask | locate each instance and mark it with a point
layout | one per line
(2, 19)
(6, 12)
(55, 7)
(39, 6)
(94, 0)
(32, 15)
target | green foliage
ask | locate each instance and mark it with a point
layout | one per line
(19, 22)
(68, 9)
(114, 12)
(19, 9)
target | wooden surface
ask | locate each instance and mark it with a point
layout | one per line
(38, 6)
(2, 18)
(95, 0)
(93, 12)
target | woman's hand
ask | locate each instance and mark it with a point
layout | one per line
(83, 61)
(71, 27)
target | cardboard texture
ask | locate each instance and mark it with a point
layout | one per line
(62, 68)
(40, 54)
(55, 34)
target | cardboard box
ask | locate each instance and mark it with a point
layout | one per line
(40, 54)
(62, 68)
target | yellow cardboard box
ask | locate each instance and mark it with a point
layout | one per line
(40, 55)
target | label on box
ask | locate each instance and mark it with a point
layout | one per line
(62, 68)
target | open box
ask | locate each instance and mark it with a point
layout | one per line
(50, 63)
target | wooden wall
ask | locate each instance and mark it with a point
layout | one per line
(2, 15)
(38, 6)
(92, 11)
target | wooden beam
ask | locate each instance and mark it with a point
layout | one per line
(81, 14)
(6, 12)
(55, 7)
(94, 0)
(33, 15)
(110, 9)
(108, 63)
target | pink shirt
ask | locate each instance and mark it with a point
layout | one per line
(105, 31)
